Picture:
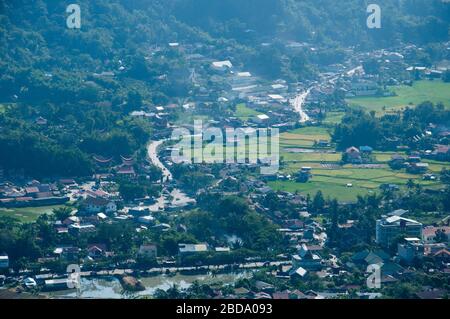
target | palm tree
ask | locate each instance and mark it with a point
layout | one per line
(62, 213)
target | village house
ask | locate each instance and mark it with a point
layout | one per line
(305, 260)
(441, 153)
(4, 261)
(429, 233)
(96, 251)
(410, 250)
(261, 119)
(41, 121)
(148, 251)
(189, 249)
(417, 168)
(352, 155)
(96, 205)
(397, 161)
(67, 253)
(442, 256)
(222, 66)
(80, 229)
(367, 150)
(363, 87)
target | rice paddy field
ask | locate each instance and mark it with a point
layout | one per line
(333, 118)
(297, 149)
(434, 91)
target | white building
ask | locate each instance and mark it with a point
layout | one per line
(222, 65)
(411, 249)
(148, 251)
(4, 261)
(389, 229)
(185, 249)
(99, 204)
(261, 119)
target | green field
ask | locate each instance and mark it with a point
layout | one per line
(433, 91)
(27, 214)
(333, 118)
(333, 181)
(304, 137)
(245, 113)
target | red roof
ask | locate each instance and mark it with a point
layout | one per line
(126, 170)
(442, 253)
(31, 190)
(431, 231)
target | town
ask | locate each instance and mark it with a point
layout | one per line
(360, 177)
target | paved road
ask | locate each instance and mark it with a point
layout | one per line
(152, 150)
(298, 102)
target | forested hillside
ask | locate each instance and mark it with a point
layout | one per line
(57, 73)
(320, 20)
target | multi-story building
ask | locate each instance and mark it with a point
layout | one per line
(4, 261)
(388, 229)
(411, 249)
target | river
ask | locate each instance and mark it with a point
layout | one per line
(109, 287)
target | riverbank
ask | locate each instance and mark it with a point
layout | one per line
(109, 287)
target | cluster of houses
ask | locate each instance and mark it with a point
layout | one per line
(412, 163)
(33, 193)
(361, 155)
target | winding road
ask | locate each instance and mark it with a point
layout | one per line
(152, 150)
(176, 197)
(298, 102)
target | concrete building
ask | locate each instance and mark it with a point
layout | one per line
(4, 261)
(261, 119)
(222, 65)
(411, 249)
(187, 249)
(388, 229)
(148, 251)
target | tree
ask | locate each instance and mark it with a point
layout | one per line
(445, 176)
(318, 202)
(62, 213)
(446, 76)
(410, 184)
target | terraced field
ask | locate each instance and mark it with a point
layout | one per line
(333, 179)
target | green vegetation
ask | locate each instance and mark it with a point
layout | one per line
(332, 179)
(333, 118)
(28, 214)
(333, 182)
(420, 91)
(304, 137)
(245, 113)
(390, 131)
